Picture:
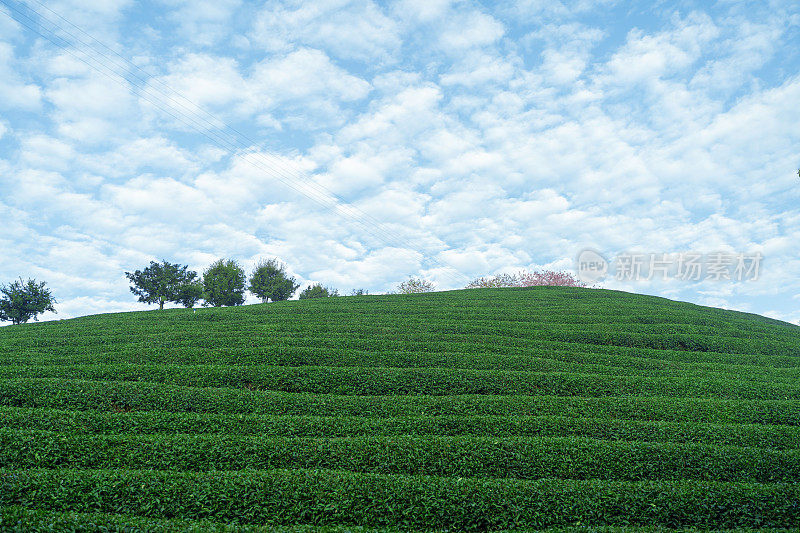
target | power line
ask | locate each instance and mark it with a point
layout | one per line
(206, 124)
(200, 123)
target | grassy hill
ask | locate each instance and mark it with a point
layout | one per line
(483, 409)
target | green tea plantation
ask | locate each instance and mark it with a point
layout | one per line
(473, 410)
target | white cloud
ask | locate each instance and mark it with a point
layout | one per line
(568, 50)
(90, 9)
(15, 91)
(647, 57)
(477, 68)
(91, 109)
(305, 73)
(98, 18)
(485, 260)
(471, 29)
(84, 305)
(162, 200)
(763, 123)
(152, 153)
(302, 87)
(47, 152)
(203, 22)
(396, 206)
(792, 317)
(210, 82)
(9, 28)
(532, 10)
(350, 29)
(382, 269)
(353, 174)
(746, 50)
(397, 116)
(423, 10)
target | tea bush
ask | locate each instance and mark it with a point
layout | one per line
(475, 410)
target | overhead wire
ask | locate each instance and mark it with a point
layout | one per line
(210, 133)
(206, 125)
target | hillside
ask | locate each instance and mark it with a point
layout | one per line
(481, 409)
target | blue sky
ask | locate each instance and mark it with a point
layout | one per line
(362, 142)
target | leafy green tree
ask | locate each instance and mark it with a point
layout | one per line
(223, 284)
(415, 285)
(317, 291)
(359, 292)
(270, 281)
(162, 282)
(23, 300)
(190, 293)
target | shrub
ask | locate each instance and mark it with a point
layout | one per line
(317, 291)
(319, 496)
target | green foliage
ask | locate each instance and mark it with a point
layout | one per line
(144, 422)
(190, 293)
(484, 410)
(269, 281)
(164, 282)
(447, 456)
(325, 497)
(17, 519)
(223, 284)
(405, 381)
(317, 291)
(23, 300)
(359, 292)
(145, 396)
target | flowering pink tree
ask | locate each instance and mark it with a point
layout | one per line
(523, 278)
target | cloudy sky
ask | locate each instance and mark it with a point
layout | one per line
(362, 142)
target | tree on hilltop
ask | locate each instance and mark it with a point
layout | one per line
(223, 284)
(190, 293)
(23, 300)
(502, 280)
(317, 291)
(164, 282)
(525, 278)
(269, 281)
(415, 285)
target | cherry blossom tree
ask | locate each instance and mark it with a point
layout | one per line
(415, 285)
(524, 278)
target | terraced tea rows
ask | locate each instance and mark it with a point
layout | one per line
(487, 409)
